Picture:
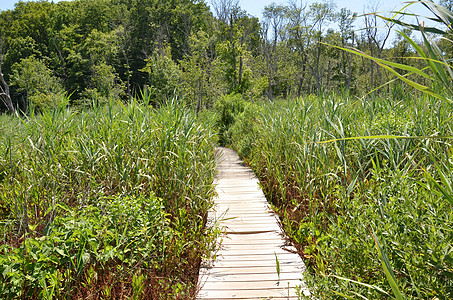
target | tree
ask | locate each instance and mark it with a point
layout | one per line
(274, 16)
(237, 32)
(376, 41)
(201, 69)
(345, 24)
(105, 86)
(321, 14)
(298, 38)
(39, 87)
(164, 75)
(157, 24)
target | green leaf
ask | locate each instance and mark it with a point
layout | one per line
(277, 263)
(388, 269)
(444, 15)
(434, 30)
(363, 284)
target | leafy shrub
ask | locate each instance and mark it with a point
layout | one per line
(164, 75)
(242, 132)
(105, 86)
(127, 232)
(228, 108)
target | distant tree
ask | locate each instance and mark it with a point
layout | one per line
(202, 81)
(298, 39)
(237, 33)
(274, 16)
(376, 39)
(321, 15)
(39, 87)
(345, 19)
(105, 86)
(164, 75)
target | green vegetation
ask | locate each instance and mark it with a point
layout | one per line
(333, 195)
(105, 182)
(364, 185)
(105, 203)
(94, 50)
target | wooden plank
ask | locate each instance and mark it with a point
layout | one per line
(254, 294)
(246, 286)
(245, 266)
(246, 278)
(281, 254)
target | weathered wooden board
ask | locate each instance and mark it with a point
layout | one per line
(246, 265)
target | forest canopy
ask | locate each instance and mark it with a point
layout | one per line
(88, 52)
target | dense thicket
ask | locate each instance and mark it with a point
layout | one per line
(94, 50)
(110, 203)
(338, 200)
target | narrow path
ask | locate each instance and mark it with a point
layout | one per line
(246, 266)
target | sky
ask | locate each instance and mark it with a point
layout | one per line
(255, 7)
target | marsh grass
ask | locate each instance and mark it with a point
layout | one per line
(333, 189)
(74, 192)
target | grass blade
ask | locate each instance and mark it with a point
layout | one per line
(388, 269)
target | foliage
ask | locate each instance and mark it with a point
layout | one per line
(106, 86)
(181, 47)
(135, 182)
(38, 84)
(163, 76)
(243, 131)
(370, 177)
(77, 253)
(228, 108)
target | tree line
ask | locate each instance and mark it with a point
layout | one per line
(86, 52)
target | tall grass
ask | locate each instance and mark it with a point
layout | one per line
(131, 183)
(333, 195)
(364, 188)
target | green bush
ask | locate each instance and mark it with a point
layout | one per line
(75, 251)
(41, 88)
(242, 132)
(164, 76)
(227, 109)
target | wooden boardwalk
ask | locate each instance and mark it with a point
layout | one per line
(246, 266)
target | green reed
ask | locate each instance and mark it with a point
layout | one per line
(336, 169)
(77, 167)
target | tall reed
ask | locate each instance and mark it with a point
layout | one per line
(81, 167)
(337, 169)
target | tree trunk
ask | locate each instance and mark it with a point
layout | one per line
(240, 70)
(200, 92)
(4, 91)
(316, 70)
(349, 65)
(269, 93)
(299, 86)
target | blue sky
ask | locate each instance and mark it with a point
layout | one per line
(255, 7)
